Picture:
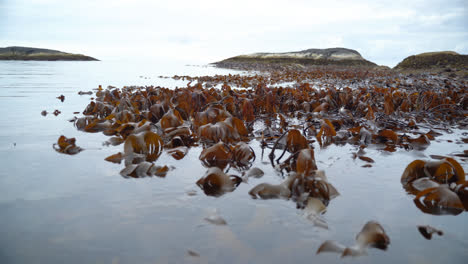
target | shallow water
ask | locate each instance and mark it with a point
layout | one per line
(56, 208)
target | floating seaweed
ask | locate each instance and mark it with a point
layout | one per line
(66, 146)
(427, 231)
(216, 183)
(439, 186)
(371, 235)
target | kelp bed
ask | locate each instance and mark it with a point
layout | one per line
(288, 112)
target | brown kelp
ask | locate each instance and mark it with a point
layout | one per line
(289, 113)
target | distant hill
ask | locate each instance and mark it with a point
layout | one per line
(26, 53)
(447, 61)
(332, 56)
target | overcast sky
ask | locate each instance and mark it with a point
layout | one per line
(203, 31)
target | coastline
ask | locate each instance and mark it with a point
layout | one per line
(38, 54)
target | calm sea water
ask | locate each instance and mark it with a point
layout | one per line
(56, 208)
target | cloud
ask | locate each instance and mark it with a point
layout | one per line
(207, 30)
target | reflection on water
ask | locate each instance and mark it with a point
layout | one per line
(57, 208)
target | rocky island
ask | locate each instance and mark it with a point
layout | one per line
(435, 62)
(37, 54)
(310, 57)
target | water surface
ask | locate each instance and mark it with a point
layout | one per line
(56, 208)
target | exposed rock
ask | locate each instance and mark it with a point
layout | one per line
(25, 53)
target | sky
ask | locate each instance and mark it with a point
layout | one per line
(204, 31)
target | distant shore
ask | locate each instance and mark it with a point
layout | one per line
(37, 54)
(305, 58)
(444, 62)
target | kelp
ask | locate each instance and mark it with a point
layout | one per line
(446, 170)
(305, 163)
(242, 155)
(299, 187)
(221, 131)
(326, 133)
(294, 184)
(216, 183)
(144, 169)
(438, 185)
(427, 231)
(367, 159)
(66, 146)
(441, 197)
(147, 143)
(213, 114)
(218, 155)
(371, 235)
(270, 191)
(171, 119)
(228, 113)
(293, 142)
(221, 154)
(178, 153)
(364, 108)
(314, 185)
(115, 158)
(413, 171)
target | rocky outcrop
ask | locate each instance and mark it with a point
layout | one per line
(310, 57)
(26, 53)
